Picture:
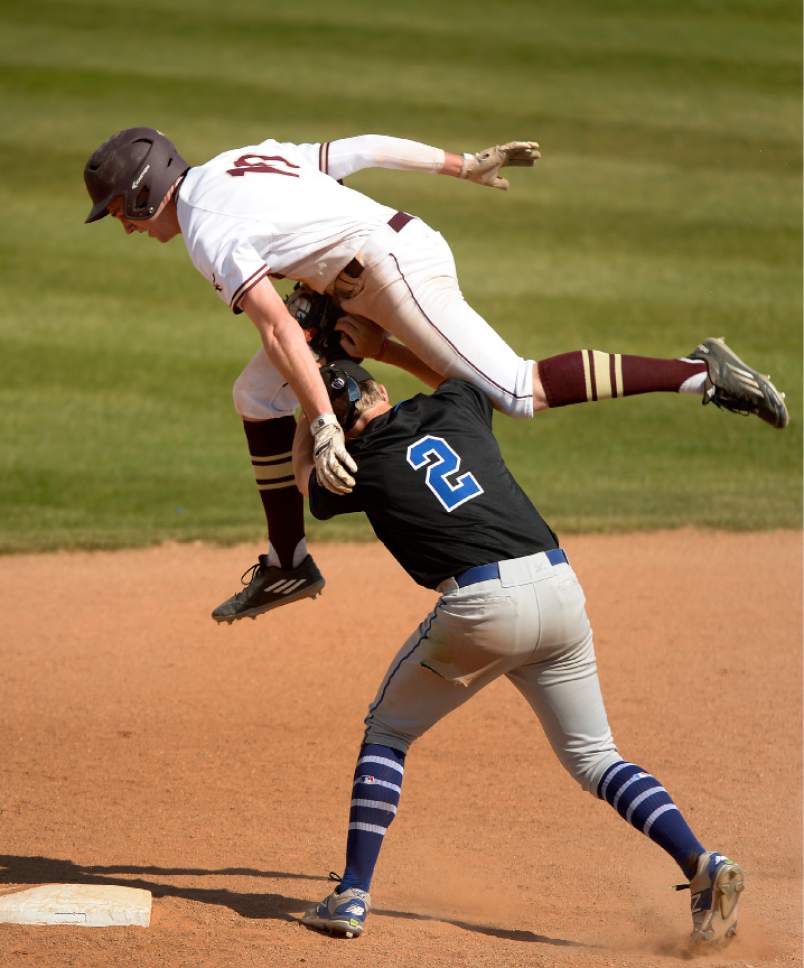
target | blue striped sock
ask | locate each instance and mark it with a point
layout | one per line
(375, 797)
(643, 802)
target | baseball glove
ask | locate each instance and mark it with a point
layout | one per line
(317, 314)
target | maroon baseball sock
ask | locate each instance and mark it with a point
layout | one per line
(585, 375)
(270, 443)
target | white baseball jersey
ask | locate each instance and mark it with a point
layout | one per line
(271, 210)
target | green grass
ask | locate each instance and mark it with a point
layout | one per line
(667, 207)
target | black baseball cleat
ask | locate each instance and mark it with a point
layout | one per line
(733, 385)
(269, 587)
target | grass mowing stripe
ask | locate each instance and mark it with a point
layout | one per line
(637, 141)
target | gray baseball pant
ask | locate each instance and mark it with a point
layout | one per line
(530, 625)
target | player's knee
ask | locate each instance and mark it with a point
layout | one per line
(244, 403)
(523, 400)
(588, 766)
(248, 404)
(387, 735)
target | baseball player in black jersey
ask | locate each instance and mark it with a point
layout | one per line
(437, 492)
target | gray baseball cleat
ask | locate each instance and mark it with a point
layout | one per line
(269, 587)
(715, 893)
(733, 385)
(344, 914)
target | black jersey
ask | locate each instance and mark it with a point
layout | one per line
(434, 486)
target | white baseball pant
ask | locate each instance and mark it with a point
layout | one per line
(530, 625)
(409, 286)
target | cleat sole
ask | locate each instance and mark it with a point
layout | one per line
(254, 612)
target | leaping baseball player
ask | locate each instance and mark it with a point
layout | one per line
(438, 495)
(274, 210)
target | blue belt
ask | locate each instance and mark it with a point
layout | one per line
(556, 556)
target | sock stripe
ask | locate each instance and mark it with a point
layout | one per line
(608, 777)
(587, 379)
(664, 808)
(602, 369)
(618, 374)
(632, 779)
(376, 805)
(287, 485)
(270, 472)
(271, 458)
(641, 799)
(383, 761)
(368, 828)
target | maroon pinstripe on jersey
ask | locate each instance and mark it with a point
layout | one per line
(247, 285)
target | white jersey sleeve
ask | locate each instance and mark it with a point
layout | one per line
(231, 264)
(348, 155)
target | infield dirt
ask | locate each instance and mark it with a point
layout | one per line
(144, 745)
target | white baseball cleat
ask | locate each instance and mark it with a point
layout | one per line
(715, 894)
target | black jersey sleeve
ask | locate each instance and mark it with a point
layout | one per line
(464, 394)
(324, 504)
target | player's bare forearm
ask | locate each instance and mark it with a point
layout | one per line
(302, 454)
(286, 347)
(360, 337)
(397, 354)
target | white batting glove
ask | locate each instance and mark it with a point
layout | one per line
(484, 166)
(332, 460)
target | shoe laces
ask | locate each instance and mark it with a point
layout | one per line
(252, 574)
(725, 401)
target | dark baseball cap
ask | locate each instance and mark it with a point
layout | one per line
(343, 378)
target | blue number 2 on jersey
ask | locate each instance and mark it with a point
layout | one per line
(442, 462)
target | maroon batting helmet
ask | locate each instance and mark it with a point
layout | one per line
(139, 165)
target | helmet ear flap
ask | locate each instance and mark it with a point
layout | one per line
(353, 389)
(139, 204)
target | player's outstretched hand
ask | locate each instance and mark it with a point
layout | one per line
(484, 166)
(333, 461)
(360, 337)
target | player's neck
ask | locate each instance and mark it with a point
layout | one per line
(366, 417)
